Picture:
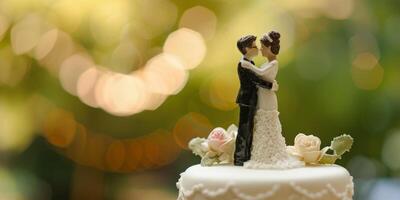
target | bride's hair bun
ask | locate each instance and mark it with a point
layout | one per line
(272, 40)
(274, 35)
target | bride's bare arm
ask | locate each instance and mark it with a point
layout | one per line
(268, 65)
(253, 68)
(262, 69)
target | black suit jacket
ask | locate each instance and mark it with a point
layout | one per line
(249, 81)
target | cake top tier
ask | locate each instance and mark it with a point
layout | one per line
(327, 182)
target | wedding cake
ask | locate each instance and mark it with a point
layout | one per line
(328, 182)
(252, 161)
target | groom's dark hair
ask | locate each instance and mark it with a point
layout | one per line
(245, 41)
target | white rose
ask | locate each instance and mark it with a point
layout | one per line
(306, 143)
(308, 147)
(293, 151)
(312, 156)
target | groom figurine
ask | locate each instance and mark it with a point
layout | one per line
(247, 99)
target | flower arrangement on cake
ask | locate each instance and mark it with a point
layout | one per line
(218, 147)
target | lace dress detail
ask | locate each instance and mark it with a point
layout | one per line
(269, 146)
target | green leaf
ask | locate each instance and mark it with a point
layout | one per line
(324, 150)
(341, 144)
(328, 159)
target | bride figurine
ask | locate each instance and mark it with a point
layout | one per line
(268, 145)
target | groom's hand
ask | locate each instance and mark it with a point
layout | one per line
(275, 86)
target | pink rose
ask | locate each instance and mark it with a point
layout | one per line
(219, 140)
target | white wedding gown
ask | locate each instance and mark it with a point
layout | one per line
(269, 146)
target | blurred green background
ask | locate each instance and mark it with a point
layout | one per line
(98, 98)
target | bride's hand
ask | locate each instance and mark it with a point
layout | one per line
(275, 86)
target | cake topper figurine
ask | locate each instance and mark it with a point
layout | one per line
(247, 98)
(258, 142)
(268, 147)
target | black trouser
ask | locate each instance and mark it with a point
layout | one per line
(245, 135)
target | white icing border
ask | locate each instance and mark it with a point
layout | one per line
(230, 188)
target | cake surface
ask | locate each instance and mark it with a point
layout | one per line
(223, 182)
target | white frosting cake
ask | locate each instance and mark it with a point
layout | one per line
(228, 182)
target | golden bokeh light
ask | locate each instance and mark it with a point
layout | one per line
(68, 14)
(362, 42)
(367, 78)
(12, 69)
(365, 61)
(190, 126)
(162, 17)
(302, 6)
(165, 74)
(126, 57)
(366, 71)
(16, 128)
(339, 9)
(134, 155)
(59, 128)
(118, 94)
(40, 107)
(162, 149)
(102, 152)
(115, 155)
(77, 146)
(154, 101)
(95, 150)
(200, 19)
(149, 150)
(19, 8)
(102, 88)
(26, 33)
(126, 95)
(170, 149)
(188, 45)
(86, 86)
(71, 69)
(53, 48)
(46, 43)
(152, 151)
(107, 20)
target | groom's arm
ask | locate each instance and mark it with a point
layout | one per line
(258, 81)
